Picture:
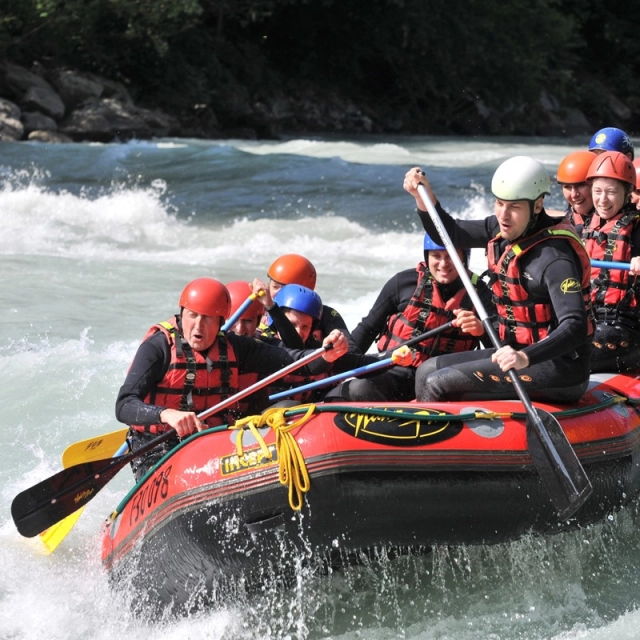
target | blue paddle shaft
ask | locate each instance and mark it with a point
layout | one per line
(367, 368)
(603, 264)
(239, 311)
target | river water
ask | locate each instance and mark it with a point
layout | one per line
(96, 244)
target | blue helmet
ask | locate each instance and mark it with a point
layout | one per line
(429, 245)
(299, 298)
(611, 139)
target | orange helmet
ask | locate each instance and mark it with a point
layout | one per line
(293, 269)
(207, 297)
(239, 290)
(613, 164)
(574, 168)
(636, 164)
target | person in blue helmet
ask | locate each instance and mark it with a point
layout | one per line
(411, 303)
(293, 307)
(300, 309)
(611, 139)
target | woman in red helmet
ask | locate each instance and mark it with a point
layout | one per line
(612, 234)
(186, 364)
(572, 178)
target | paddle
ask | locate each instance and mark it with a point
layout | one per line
(57, 532)
(57, 497)
(240, 310)
(94, 448)
(603, 264)
(561, 473)
(367, 368)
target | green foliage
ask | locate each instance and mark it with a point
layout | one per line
(433, 60)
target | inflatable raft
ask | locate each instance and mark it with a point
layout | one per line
(238, 505)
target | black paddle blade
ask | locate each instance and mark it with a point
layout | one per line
(561, 473)
(53, 499)
(57, 497)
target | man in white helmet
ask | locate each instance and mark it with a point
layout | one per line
(540, 275)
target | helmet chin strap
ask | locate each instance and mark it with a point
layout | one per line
(533, 217)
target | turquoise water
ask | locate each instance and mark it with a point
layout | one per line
(97, 242)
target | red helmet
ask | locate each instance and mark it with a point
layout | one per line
(636, 164)
(574, 168)
(293, 269)
(239, 290)
(207, 297)
(613, 164)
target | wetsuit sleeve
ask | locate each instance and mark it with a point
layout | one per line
(558, 268)
(256, 356)
(148, 368)
(282, 325)
(330, 320)
(464, 234)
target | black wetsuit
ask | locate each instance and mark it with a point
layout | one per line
(395, 383)
(559, 364)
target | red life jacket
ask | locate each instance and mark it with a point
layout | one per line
(523, 320)
(425, 311)
(194, 381)
(610, 241)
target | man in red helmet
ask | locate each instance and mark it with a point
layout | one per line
(186, 364)
(249, 320)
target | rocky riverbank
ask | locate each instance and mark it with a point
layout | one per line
(64, 105)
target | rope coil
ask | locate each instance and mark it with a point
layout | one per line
(292, 469)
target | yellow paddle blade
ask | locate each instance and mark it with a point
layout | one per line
(96, 448)
(56, 533)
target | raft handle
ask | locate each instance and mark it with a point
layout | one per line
(266, 523)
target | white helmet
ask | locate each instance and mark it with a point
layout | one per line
(520, 178)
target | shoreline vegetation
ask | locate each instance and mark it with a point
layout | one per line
(113, 70)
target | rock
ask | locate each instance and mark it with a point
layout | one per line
(11, 129)
(75, 87)
(576, 123)
(34, 120)
(9, 109)
(19, 80)
(116, 90)
(109, 119)
(48, 136)
(44, 99)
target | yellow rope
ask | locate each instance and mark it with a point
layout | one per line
(292, 468)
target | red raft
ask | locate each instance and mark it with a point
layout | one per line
(241, 506)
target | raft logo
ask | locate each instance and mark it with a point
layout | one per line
(248, 460)
(404, 427)
(570, 285)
